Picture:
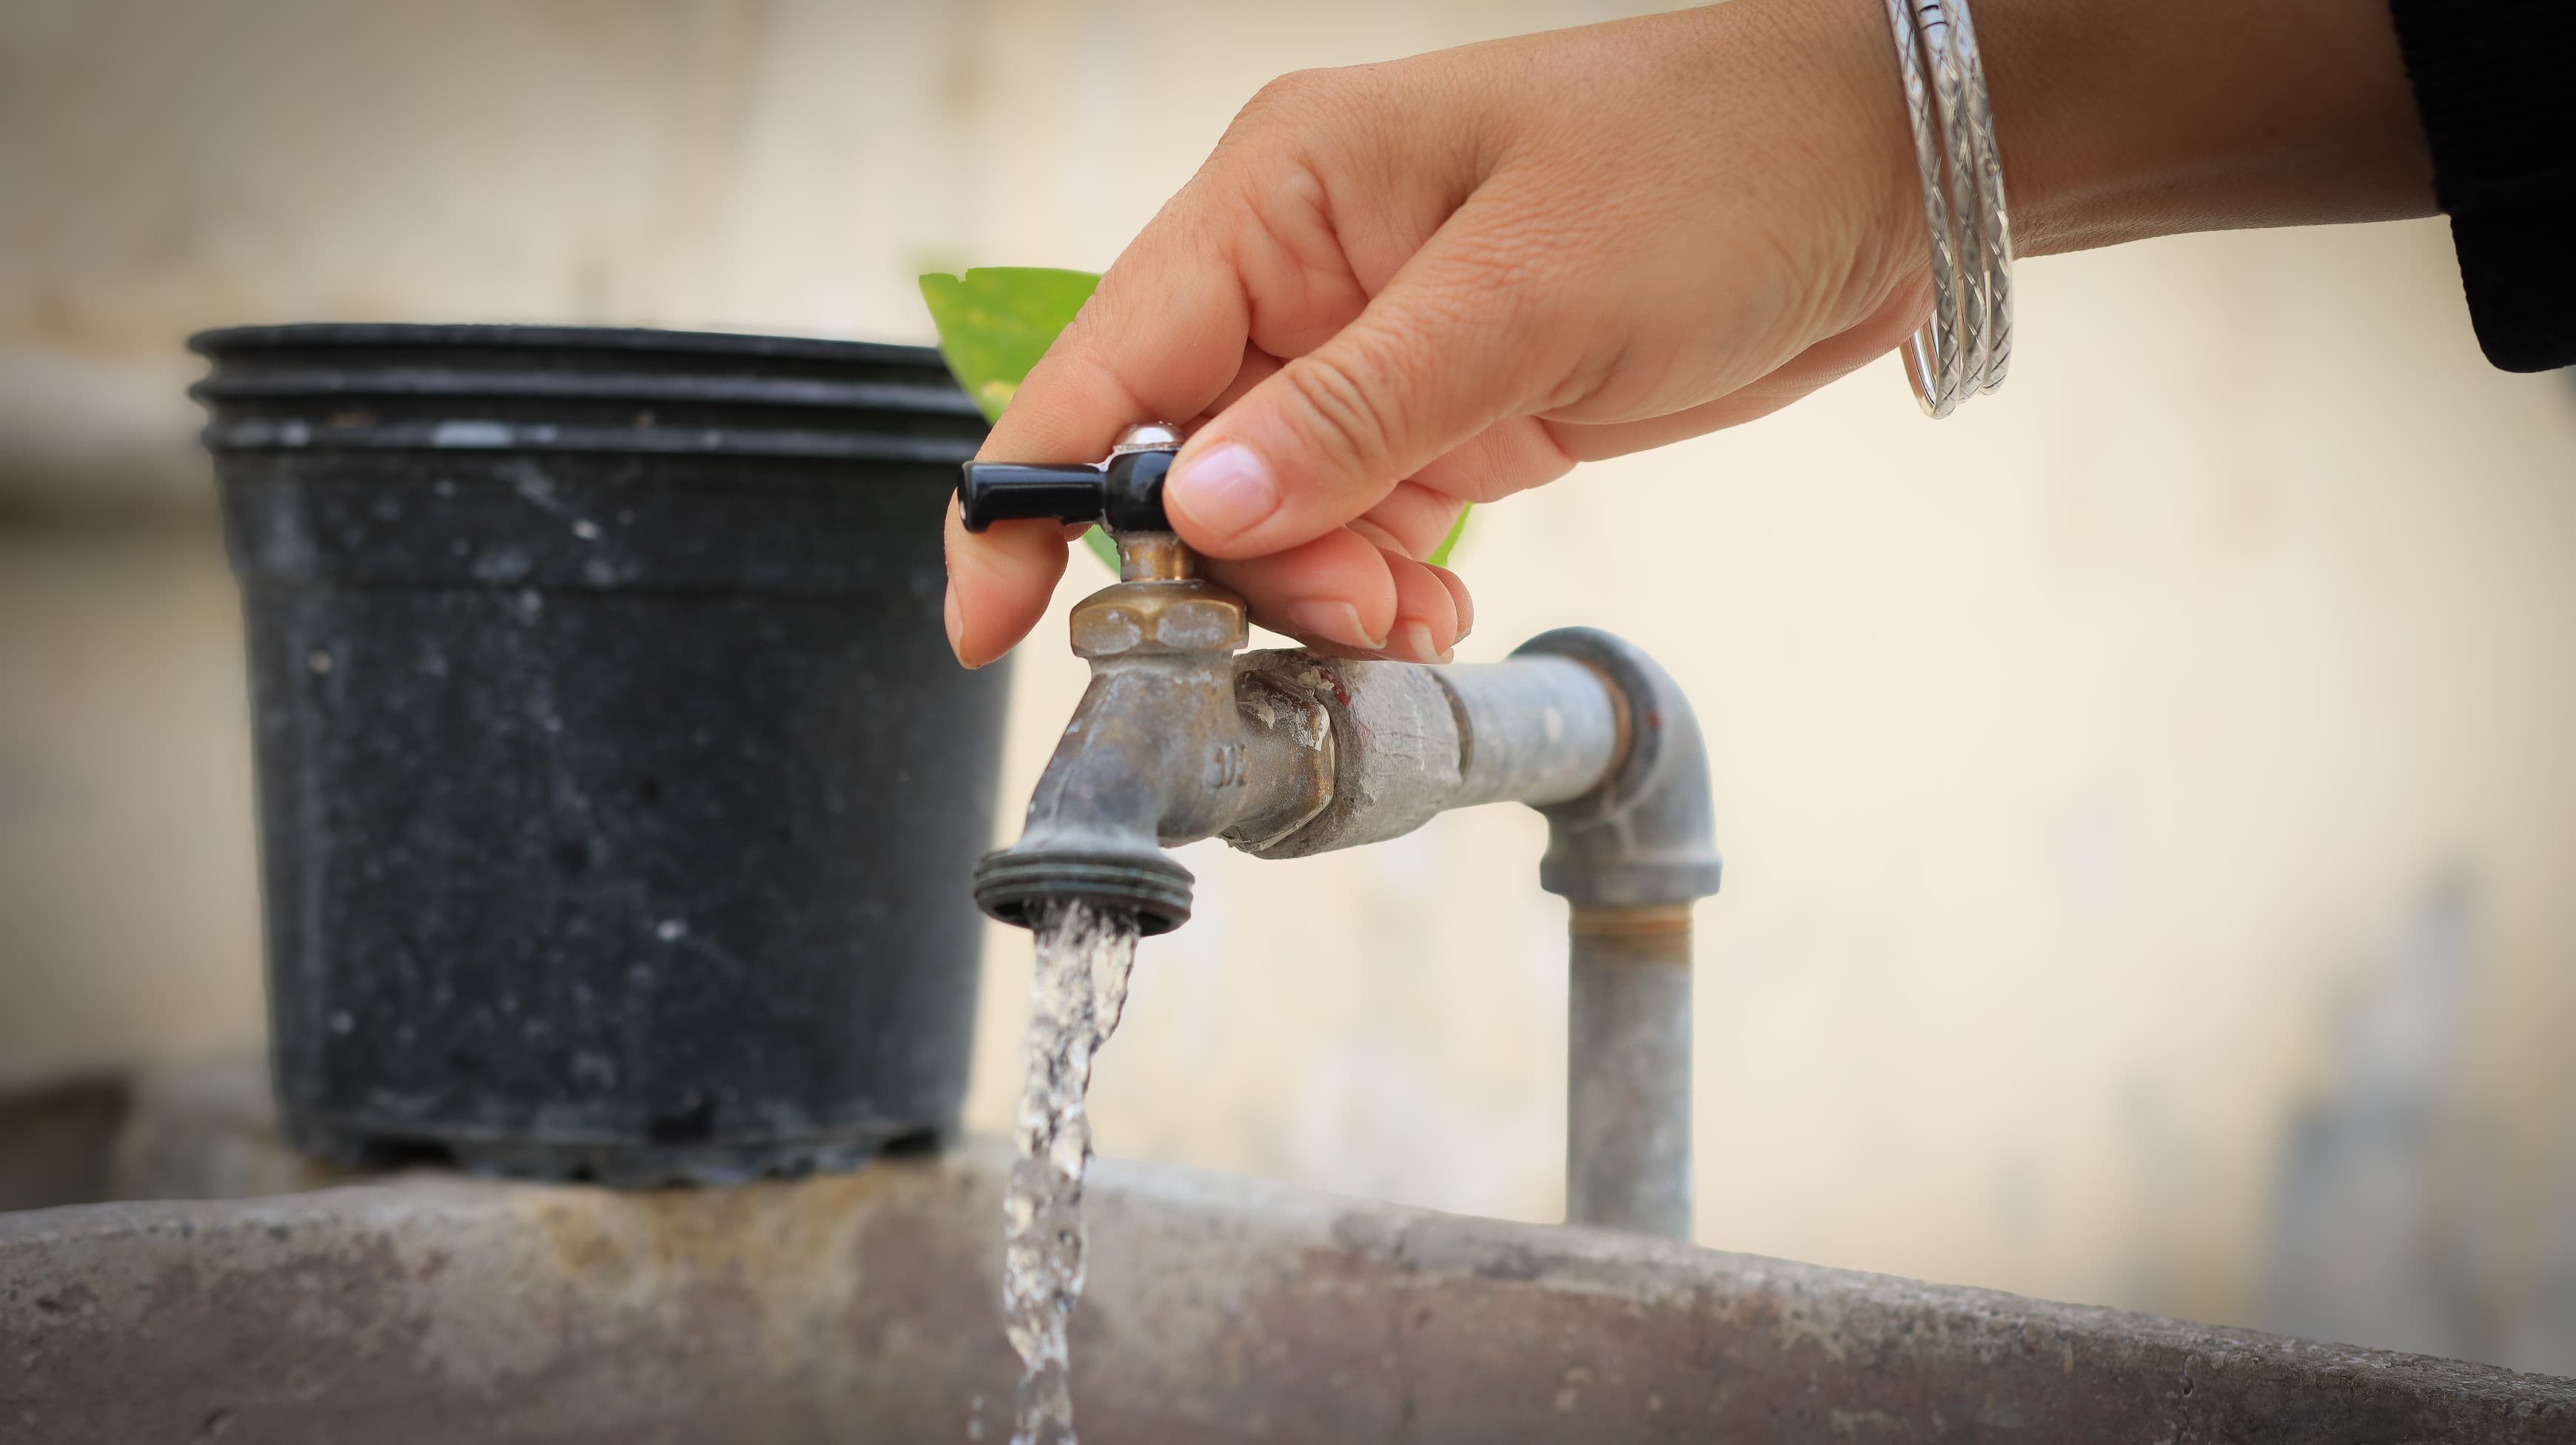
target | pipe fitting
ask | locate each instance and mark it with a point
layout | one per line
(1645, 837)
(1630, 857)
(1417, 741)
(1158, 608)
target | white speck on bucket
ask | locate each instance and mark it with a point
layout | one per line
(586, 529)
(671, 930)
(469, 434)
(318, 660)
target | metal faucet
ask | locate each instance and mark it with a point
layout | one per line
(1287, 753)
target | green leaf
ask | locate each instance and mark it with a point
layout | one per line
(996, 321)
(1440, 555)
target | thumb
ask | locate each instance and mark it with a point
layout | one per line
(1456, 342)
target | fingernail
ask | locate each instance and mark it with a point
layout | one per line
(1332, 621)
(956, 623)
(1227, 491)
(1416, 638)
(1458, 596)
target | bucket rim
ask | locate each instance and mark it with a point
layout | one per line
(225, 341)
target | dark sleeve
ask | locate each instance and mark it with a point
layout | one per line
(2495, 83)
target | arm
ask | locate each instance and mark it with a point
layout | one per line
(1394, 289)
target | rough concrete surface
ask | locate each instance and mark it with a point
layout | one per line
(862, 1308)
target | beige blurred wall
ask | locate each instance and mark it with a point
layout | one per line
(2149, 797)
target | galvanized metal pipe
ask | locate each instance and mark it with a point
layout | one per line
(1585, 728)
(1536, 730)
(1588, 730)
(1287, 754)
(1628, 1069)
(1630, 856)
(1409, 742)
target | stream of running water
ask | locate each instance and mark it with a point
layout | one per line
(1083, 958)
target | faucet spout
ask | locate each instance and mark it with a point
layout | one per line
(1154, 756)
(1095, 824)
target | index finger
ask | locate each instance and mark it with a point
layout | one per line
(1160, 340)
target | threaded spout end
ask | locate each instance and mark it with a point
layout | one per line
(1013, 886)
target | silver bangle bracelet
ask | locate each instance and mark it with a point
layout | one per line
(1966, 345)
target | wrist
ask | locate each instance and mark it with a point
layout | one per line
(2118, 121)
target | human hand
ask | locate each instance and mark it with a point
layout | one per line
(1399, 288)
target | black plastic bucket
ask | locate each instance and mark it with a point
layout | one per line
(618, 796)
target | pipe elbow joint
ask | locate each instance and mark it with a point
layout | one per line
(1646, 836)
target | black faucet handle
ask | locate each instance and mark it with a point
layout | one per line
(998, 491)
(1124, 493)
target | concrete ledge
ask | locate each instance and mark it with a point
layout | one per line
(437, 1309)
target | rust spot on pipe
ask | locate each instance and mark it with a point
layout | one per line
(1623, 725)
(1153, 557)
(1649, 931)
